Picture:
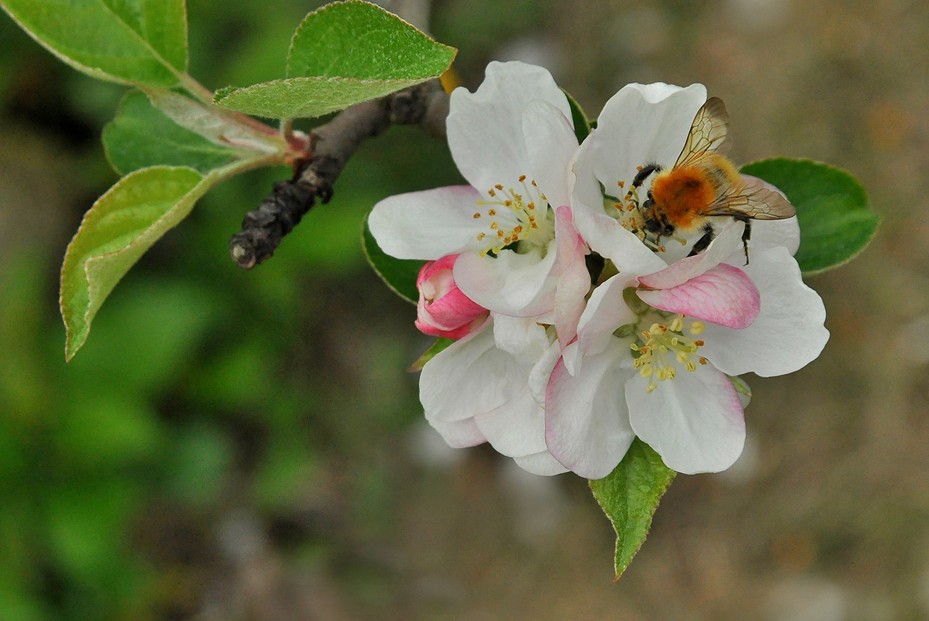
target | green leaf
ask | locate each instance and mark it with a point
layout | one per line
(115, 232)
(305, 97)
(836, 222)
(134, 41)
(398, 274)
(343, 54)
(581, 122)
(629, 496)
(363, 41)
(141, 136)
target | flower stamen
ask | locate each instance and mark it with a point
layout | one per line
(664, 346)
(520, 220)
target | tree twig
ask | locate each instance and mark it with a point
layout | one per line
(330, 147)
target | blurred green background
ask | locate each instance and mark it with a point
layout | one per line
(238, 445)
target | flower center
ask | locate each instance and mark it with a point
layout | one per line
(513, 216)
(665, 346)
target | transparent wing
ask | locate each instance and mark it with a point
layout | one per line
(707, 133)
(753, 198)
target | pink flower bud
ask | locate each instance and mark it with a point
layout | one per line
(443, 310)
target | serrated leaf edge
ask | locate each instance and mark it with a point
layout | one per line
(200, 188)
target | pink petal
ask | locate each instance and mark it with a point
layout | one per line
(724, 295)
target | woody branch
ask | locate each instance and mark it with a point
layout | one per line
(330, 147)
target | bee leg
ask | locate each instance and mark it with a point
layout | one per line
(708, 234)
(643, 174)
(746, 235)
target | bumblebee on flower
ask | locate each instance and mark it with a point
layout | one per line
(571, 365)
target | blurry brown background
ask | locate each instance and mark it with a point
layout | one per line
(278, 468)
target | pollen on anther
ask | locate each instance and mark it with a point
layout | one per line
(522, 178)
(477, 216)
(491, 192)
(491, 212)
(621, 184)
(499, 186)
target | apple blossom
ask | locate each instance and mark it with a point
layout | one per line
(513, 141)
(662, 332)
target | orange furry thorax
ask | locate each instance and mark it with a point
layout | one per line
(683, 195)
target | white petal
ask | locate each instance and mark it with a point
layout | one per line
(609, 239)
(641, 124)
(427, 225)
(767, 233)
(788, 332)
(540, 463)
(516, 428)
(511, 283)
(550, 145)
(469, 377)
(522, 337)
(605, 312)
(586, 421)
(459, 433)
(485, 132)
(695, 421)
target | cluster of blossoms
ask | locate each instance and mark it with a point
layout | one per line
(572, 335)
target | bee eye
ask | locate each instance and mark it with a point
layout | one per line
(668, 230)
(652, 225)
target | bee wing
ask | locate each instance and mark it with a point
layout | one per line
(707, 133)
(753, 198)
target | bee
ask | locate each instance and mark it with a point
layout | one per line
(704, 184)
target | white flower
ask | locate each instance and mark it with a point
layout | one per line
(513, 141)
(656, 343)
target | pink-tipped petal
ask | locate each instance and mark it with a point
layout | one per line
(694, 421)
(723, 246)
(573, 279)
(586, 420)
(724, 295)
